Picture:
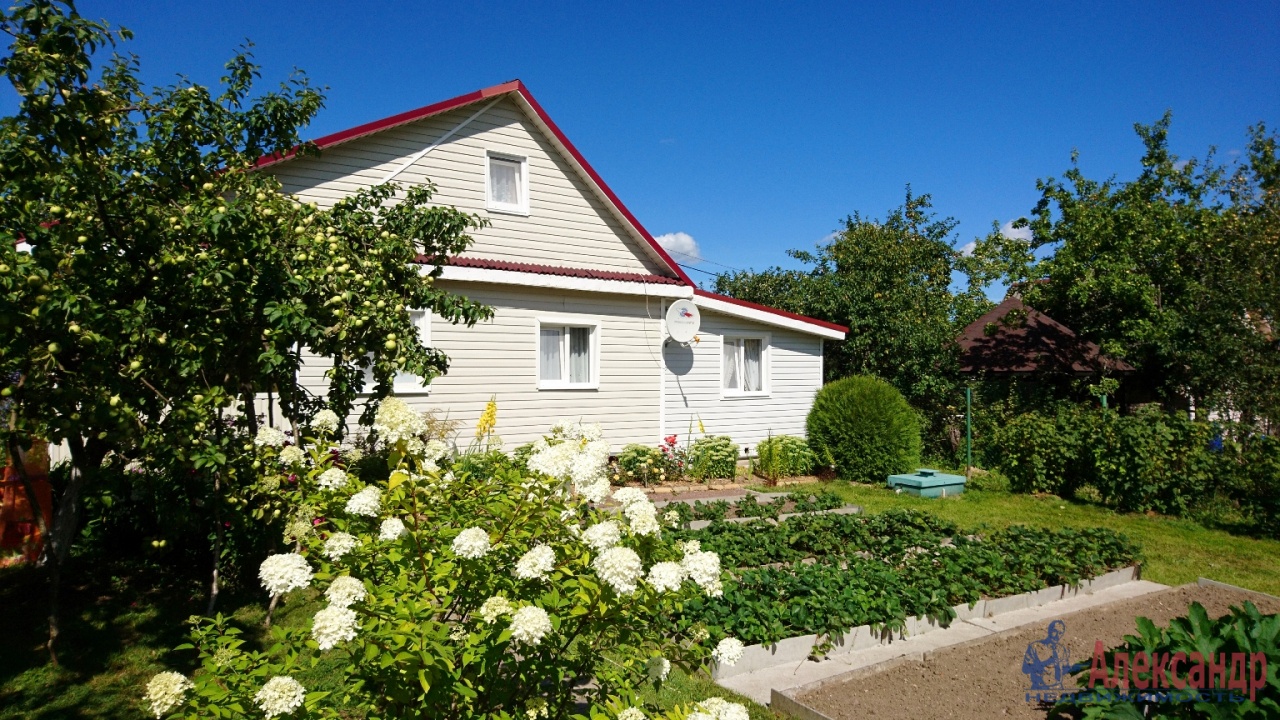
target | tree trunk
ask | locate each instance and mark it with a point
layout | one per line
(66, 520)
(217, 542)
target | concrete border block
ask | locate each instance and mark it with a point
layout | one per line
(757, 657)
(966, 612)
(862, 637)
(1113, 578)
(999, 606)
(782, 702)
(1206, 582)
(1047, 595)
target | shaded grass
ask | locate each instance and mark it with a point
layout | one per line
(1176, 551)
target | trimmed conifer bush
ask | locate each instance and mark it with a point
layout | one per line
(864, 429)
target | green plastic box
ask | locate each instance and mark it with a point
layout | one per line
(928, 483)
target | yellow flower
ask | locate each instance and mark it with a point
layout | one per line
(701, 429)
(488, 419)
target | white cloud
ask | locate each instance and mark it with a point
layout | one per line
(1009, 231)
(683, 246)
(967, 248)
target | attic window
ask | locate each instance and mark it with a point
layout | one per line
(507, 183)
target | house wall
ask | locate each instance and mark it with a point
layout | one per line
(692, 388)
(567, 224)
(499, 358)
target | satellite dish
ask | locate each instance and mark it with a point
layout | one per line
(682, 321)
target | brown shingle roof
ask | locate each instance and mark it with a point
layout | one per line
(1013, 339)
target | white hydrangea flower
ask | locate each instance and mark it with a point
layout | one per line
(333, 626)
(672, 517)
(340, 544)
(391, 529)
(352, 455)
(728, 651)
(529, 625)
(699, 634)
(602, 535)
(666, 576)
(280, 695)
(619, 568)
(269, 437)
(626, 497)
(658, 668)
(166, 691)
(494, 608)
(632, 713)
(577, 455)
(292, 455)
(397, 422)
(721, 709)
(434, 450)
(703, 568)
(332, 479)
(643, 518)
(345, 590)
(536, 563)
(594, 492)
(690, 546)
(472, 543)
(699, 715)
(367, 502)
(284, 572)
(325, 421)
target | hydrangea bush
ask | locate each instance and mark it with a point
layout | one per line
(456, 595)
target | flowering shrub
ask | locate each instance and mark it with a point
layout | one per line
(645, 464)
(714, 456)
(783, 456)
(452, 595)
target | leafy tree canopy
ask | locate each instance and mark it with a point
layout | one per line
(1174, 271)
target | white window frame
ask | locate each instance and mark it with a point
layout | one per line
(405, 383)
(565, 323)
(520, 208)
(766, 387)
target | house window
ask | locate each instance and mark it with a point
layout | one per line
(406, 382)
(744, 367)
(568, 356)
(508, 183)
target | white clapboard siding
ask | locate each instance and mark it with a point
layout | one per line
(692, 390)
(567, 225)
(498, 358)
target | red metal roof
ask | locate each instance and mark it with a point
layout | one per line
(775, 311)
(487, 264)
(517, 87)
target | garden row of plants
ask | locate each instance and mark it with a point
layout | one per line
(825, 574)
(750, 507)
(1147, 461)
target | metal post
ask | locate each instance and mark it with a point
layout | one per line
(968, 429)
(1104, 401)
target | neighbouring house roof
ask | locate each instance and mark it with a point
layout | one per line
(525, 100)
(1014, 339)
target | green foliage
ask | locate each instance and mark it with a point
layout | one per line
(1246, 631)
(782, 456)
(812, 502)
(880, 569)
(989, 481)
(890, 281)
(864, 428)
(645, 464)
(713, 457)
(1172, 271)
(426, 639)
(1147, 461)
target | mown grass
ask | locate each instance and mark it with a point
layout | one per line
(1176, 551)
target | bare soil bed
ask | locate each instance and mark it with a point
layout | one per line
(986, 680)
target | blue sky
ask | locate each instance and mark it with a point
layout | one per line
(754, 127)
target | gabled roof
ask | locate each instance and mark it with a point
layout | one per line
(525, 100)
(1014, 339)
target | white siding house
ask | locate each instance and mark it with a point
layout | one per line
(579, 288)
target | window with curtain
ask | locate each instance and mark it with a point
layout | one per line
(508, 179)
(744, 365)
(566, 356)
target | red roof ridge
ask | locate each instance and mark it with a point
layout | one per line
(537, 269)
(513, 86)
(771, 310)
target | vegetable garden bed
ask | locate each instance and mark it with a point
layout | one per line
(823, 574)
(755, 505)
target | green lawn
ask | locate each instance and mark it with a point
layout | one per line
(119, 626)
(1176, 551)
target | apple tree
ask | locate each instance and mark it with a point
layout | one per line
(151, 282)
